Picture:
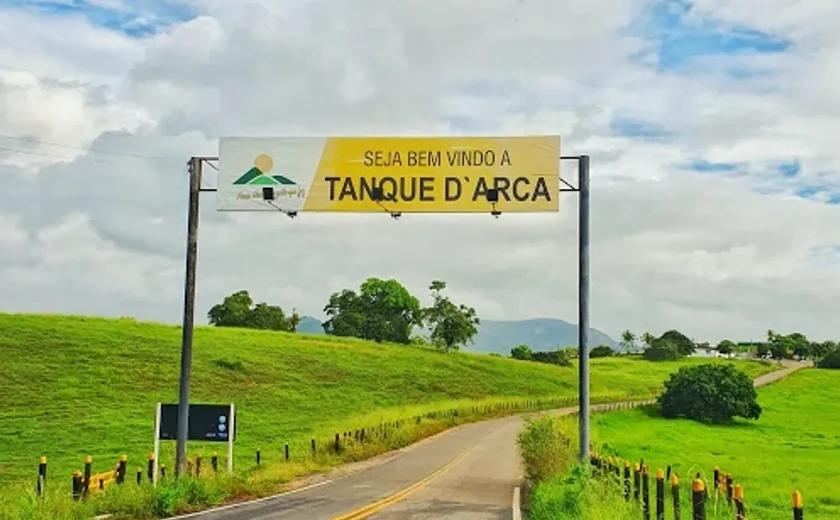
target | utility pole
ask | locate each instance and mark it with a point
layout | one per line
(583, 306)
(189, 316)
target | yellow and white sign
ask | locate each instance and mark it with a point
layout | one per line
(414, 174)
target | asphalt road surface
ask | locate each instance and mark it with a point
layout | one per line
(467, 473)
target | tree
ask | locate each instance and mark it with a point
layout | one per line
(662, 350)
(452, 326)
(628, 340)
(232, 312)
(820, 350)
(521, 352)
(726, 347)
(236, 311)
(684, 345)
(710, 393)
(762, 349)
(832, 360)
(383, 310)
(601, 351)
(799, 345)
(647, 339)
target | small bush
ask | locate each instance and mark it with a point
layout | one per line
(601, 351)
(544, 449)
(830, 361)
(710, 393)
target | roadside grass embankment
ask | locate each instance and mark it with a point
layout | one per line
(76, 386)
(795, 445)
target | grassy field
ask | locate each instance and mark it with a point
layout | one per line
(77, 386)
(795, 445)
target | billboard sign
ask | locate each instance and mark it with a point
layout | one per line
(207, 422)
(394, 174)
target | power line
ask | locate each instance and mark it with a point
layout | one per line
(44, 154)
(71, 147)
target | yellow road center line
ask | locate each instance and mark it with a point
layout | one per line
(375, 507)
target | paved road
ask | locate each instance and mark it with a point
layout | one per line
(467, 473)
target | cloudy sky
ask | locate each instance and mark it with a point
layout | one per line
(713, 127)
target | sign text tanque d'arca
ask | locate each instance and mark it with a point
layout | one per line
(395, 174)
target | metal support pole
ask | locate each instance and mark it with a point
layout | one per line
(189, 316)
(583, 306)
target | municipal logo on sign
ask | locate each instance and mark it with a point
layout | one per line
(259, 174)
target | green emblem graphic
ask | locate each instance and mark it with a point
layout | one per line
(258, 175)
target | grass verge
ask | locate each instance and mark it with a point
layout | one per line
(795, 445)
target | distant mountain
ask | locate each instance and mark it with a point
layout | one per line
(541, 334)
(310, 325)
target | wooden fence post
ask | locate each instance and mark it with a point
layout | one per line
(139, 475)
(121, 469)
(740, 514)
(729, 489)
(627, 480)
(645, 493)
(313, 446)
(675, 494)
(337, 443)
(150, 470)
(86, 482)
(660, 495)
(214, 462)
(287, 451)
(797, 505)
(77, 485)
(698, 499)
(637, 481)
(42, 475)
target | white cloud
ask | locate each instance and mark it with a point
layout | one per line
(671, 248)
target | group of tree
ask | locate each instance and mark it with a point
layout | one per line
(238, 310)
(381, 311)
(671, 345)
(561, 357)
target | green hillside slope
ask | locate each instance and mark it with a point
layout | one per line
(75, 386)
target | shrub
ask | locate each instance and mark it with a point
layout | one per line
(601, 351)
(544, 449)
(521, 352)
(830, 361)
(710, 394)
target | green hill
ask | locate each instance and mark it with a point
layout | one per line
(76, 386)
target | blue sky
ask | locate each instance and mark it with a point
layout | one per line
(136, 18)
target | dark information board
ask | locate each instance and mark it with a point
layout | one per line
(208, 422)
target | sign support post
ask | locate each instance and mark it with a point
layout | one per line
(583, 305)
(156, 462)
(231, 430)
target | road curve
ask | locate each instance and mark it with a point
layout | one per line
(467, 473)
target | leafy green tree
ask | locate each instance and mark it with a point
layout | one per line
(521, 352)
(831, 360)
(628, 340)
(662, 350)
(452, 326)
(236, 311)
(799, 345)
(820, 350)
(601, 351)
(726, 347)
(762, 349)
(233, 311)
(710, 394)
(382, 310)
(684, 345)
(647, 339)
